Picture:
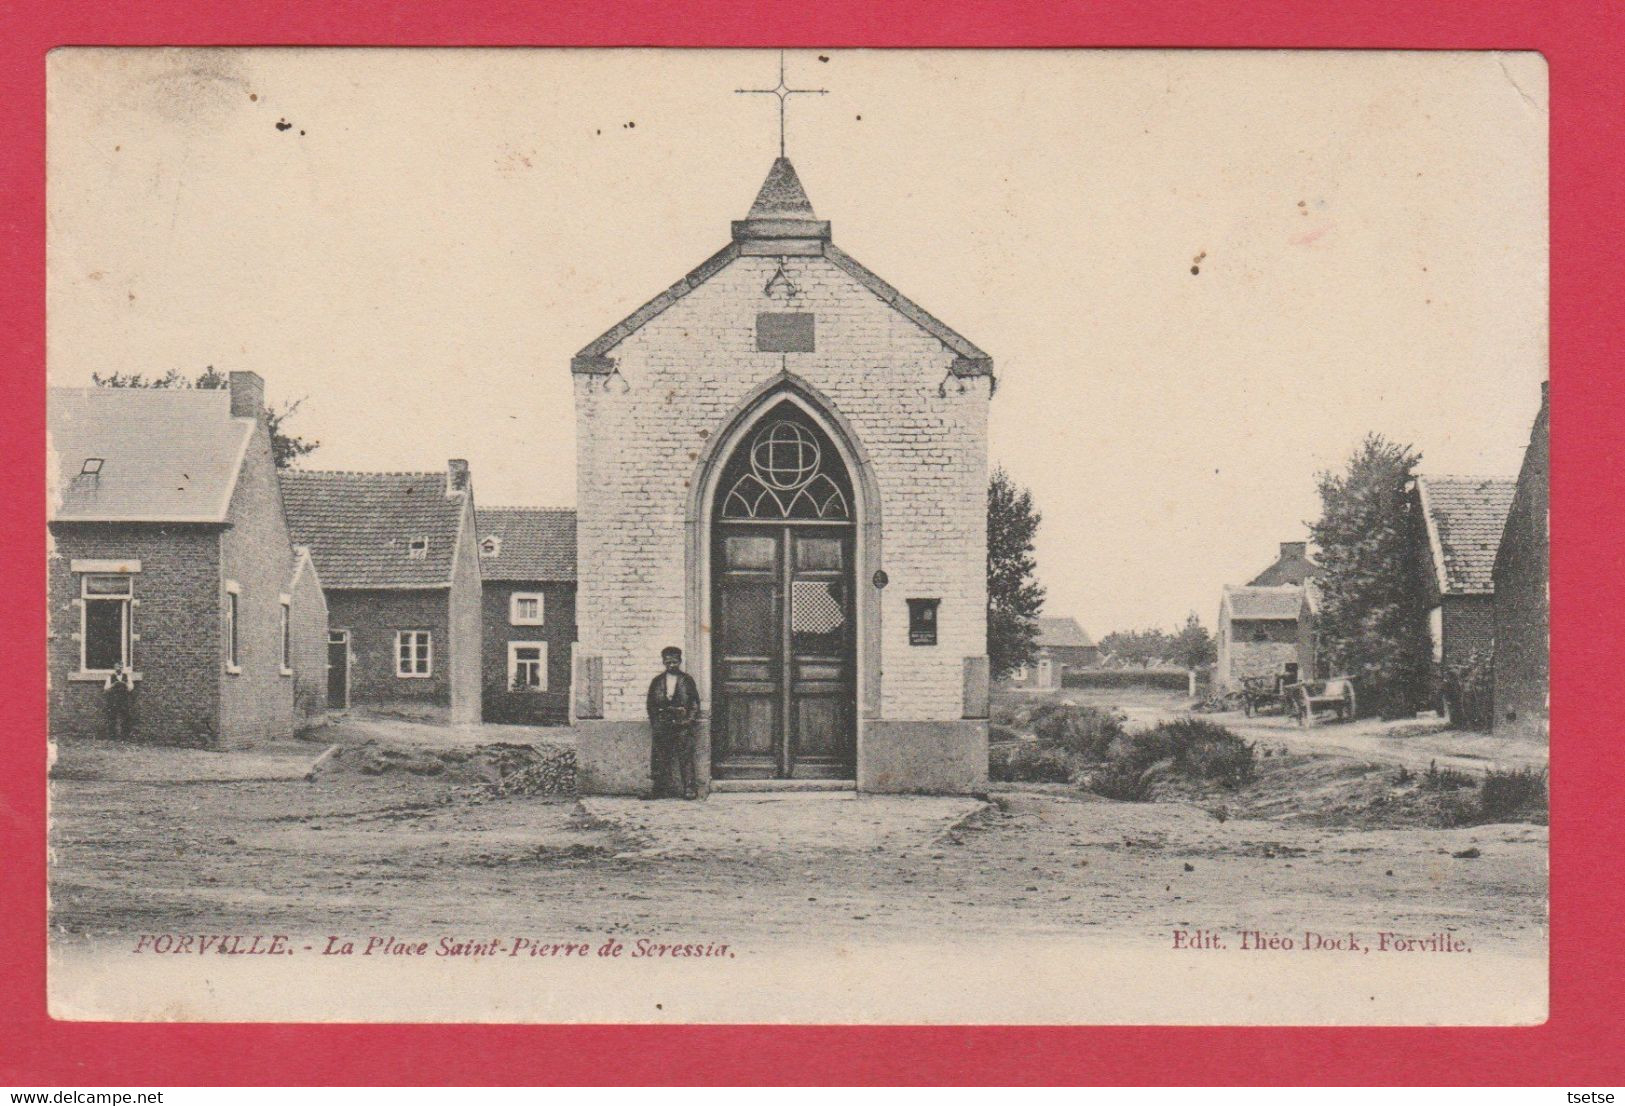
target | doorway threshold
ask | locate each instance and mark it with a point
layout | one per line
(729, 787)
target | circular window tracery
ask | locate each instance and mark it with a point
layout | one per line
(785, 456)
(788, 476)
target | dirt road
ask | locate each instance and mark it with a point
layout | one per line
(406, 853)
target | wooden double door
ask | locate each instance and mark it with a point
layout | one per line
(783, 652)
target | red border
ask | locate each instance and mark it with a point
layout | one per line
(1582, 1043)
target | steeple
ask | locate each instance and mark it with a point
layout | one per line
(781, 215)
(782, 196)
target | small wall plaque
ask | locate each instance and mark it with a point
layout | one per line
(922, 621)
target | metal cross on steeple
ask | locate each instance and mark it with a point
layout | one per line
(784, 92)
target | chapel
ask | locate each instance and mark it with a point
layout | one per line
(782, 469)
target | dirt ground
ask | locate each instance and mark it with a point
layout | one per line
(407, 838)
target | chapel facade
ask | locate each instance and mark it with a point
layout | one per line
(782, 469)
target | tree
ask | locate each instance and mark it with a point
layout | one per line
(285, 448)
(1014, 597)
(1373, 615)
(1193, 645)
(1137, 648)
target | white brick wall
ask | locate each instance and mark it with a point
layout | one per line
(641, 433)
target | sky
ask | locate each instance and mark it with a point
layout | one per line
(1203, 276)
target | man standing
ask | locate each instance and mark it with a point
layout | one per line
(119, 690)
(674, 710)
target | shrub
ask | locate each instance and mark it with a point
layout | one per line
(1445, 779)
(998, 734)
(1086, 732)
(1029, 763)
(1519, 793)
(1125, 780)
(1467, 689)
(1191, 747)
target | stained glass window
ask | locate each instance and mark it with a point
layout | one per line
(786, 470)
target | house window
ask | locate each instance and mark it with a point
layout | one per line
(417, 548)
(287, 637)
(525, 608)
(527, 666)
(414, 654)
(233, 593)
(1019, 673)
(104, 622)
(491, 546)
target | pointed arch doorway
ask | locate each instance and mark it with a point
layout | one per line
(782, 605)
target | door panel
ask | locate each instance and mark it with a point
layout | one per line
(784, 653)
(338, 671)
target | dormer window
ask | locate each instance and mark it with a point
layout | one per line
(491, 546)
(92, 466)
(417, 548)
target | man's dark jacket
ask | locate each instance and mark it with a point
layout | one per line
(681, 709)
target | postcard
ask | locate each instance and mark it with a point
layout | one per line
(807, 536)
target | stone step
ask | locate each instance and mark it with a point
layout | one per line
(731, 787)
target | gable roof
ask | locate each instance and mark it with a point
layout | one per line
(783, 214)
(1061, 633)
(359, 526)
(1283, 602)
(1465, 516)
(534, 543)
(168, 454)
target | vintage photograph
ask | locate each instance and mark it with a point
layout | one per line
(844, 536)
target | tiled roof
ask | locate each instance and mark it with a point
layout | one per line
(360, 525)
(167, 454)
(1062, 632)
(1268, 602)
(1465, 517)
(533, 543)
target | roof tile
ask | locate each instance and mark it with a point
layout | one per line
(360, 525)
(1467, 514)
(534, 543)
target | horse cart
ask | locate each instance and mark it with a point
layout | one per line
(1264, 695)
(1316, 699)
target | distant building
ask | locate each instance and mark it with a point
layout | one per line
(528, 570)
(398, 559)
(1292, 566)
(1461, 523)
(1267, 628)
(171, 554)
(1523, 596)
(1062, 647)
(1259, 635)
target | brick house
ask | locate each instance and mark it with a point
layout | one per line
(782, 469)
(1458, 529)
(528, 574)
(1523, 594)
(397, 557)
(1062, 646)
(1259, 635)
(170, 553)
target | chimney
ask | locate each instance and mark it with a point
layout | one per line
(1298, 549)
(247, 395)
(456, 476)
